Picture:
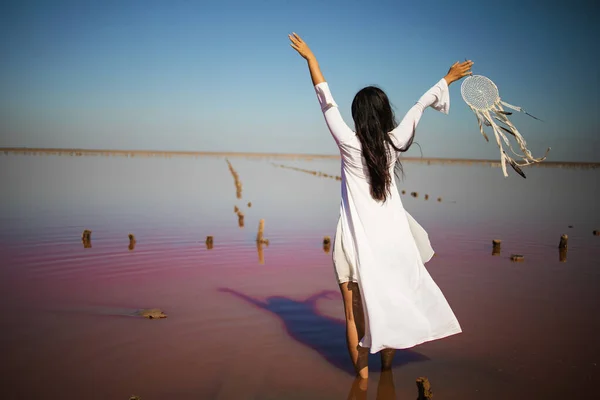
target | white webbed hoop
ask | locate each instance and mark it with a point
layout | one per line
(483, 98)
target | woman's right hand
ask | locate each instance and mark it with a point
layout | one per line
(302, 48)
(458, 71)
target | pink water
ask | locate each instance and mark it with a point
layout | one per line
(239, 329)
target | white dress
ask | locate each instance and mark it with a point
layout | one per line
(403, 306)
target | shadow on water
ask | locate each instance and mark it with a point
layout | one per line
(323, 334)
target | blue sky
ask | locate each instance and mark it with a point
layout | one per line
(221, 76)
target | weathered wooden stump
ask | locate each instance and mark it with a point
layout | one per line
(424, 389)
(236, 209)
(426, 197)
(209, 242)
(326, 244)
(241, 220)
(496, 247)
(86, 239)
(564, 242)
(132, 242)
(517, 257)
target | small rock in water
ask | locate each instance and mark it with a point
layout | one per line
(517, 257)
(152, 313)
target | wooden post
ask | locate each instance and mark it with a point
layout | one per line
(517, 257)
(564, 239)
(86, 238)
(260, 235)
(414, 194)
(209, 242)
(496, 247)
(424, 389)
(326, 244)
(132, 242)
(426, 197)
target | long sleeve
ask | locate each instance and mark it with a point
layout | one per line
(338, 128)
(438, 98)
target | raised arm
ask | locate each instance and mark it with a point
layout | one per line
(438, 98)
(338, 128)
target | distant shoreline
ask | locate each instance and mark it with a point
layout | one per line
(160, 153)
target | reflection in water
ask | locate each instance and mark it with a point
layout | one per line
(261, 254)
(132, 242)
(324, 334)
(562, 254)
(385, 388)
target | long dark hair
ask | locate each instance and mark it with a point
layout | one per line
(373, 121)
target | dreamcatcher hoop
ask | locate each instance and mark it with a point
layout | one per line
(483, 98)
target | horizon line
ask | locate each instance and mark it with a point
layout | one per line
(82, 151)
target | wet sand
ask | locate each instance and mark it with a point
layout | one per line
(239, 328)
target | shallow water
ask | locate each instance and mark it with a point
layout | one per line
(268, 324)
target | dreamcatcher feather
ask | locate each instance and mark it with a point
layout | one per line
(482, 97)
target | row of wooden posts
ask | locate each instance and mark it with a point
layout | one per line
(563, 246)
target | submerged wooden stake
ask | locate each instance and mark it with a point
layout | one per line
(517, 257)
(564, 242)
(132, 242)
(87, 235)
(326, 244)
(86, 238)
(496, 247)
(260, 235)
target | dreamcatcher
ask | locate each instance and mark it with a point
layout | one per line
(481, 95)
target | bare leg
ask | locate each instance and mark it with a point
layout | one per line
(355, 327)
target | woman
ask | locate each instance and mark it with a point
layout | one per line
(378, 262)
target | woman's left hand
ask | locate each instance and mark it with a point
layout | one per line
(301, 47)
